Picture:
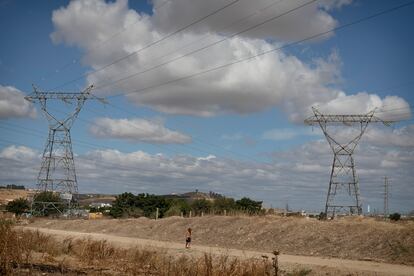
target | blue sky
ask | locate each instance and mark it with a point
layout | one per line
(247, 129)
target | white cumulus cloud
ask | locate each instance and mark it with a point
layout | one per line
(276, 79)
(281, 134)
(18, 153)
(13, 104)
(137, 130)
(300, 175)
(305, 21)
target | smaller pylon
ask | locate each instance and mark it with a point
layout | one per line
(386, 211)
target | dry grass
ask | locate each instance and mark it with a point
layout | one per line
(7, 195)
(349, 238)
(31, 253)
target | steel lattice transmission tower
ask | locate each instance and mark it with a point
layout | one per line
(343, 191)
(57, 171)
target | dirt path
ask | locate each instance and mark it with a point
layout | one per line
(349, 266)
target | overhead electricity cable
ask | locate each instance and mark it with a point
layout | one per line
(150, 44)
(99, 44)
(195, 139)
(192, 147)
(91, 123)
(164, 147)
(201, 141)
(221, 40)
(343, 26)
(113, 165)
(258, 11)
(30, 131)
(273, 18)
(108, 165)
(78, 142)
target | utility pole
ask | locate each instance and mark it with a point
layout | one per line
(344, 183)
(57, 172)
(386, 211)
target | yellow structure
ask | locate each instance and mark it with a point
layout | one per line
(97, 215)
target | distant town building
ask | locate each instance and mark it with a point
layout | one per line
(100, 205)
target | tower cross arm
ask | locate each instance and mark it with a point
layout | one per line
(65, 96)
(319, 118)
(345, 119)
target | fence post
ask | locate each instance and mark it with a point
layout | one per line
(189, 215)
(276, 262)
(156, 214)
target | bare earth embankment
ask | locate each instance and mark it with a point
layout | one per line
(7, 195)
(351, 239)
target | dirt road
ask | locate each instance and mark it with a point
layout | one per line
(347, 266)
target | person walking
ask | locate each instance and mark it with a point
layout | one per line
(188, 238)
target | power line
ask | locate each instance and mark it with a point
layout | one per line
(105, 164)
(111, 164)
(157, 170)
(89, 122)
(100, 44)
(237, 33)
(35, 132)
(193, 138)
(209, 45)
(258, 11)
(268, 51)
(150, 44)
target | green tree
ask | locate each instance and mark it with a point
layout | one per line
(18, 206)
(129, 205)
(150, 203)
(201, 205)
(178, 206)
(224, 203)
(250, 206)
(122, 205)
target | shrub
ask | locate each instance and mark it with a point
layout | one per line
(395, 216)
(18, 206)
(322, 216)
